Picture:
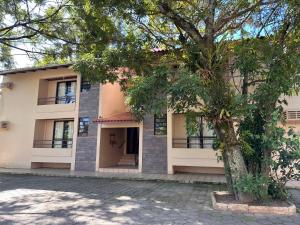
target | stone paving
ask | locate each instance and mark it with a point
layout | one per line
(27, 199)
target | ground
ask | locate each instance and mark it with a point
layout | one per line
(26, 199)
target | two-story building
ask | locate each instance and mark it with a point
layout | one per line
(51, 118)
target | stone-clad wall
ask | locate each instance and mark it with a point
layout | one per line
(154, 149)
(86, 148)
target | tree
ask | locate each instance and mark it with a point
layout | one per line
(204, 41)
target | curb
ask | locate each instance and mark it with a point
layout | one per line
(114, 178)
(289, 210)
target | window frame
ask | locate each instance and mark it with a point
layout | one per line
(82, 125)
(65, 140)
(200, 136)
(156, 130)
(68, 99)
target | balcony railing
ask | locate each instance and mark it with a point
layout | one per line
(57, 100)
(55, 143)
(193, 142)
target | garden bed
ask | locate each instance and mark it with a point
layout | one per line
(221, 200)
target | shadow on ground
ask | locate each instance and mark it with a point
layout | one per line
(59, 200)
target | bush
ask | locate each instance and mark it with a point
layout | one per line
(285, 164)
(254, 185)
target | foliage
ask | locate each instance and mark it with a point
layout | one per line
(147, 94)
(256, 186)
(272, 72)
(285, 163)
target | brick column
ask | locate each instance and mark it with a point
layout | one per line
(86, 147)
(154, 149)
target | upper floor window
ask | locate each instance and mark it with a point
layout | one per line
(83, 127)
(160, 124)
(85, 86)
(65, 92)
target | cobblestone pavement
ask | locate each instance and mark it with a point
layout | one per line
(26, 199)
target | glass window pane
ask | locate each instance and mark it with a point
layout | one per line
(160, 125)
(61, 92)
(83, 126)
(58, 134)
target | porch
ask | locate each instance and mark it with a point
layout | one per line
(191, 154)
(53, 143)
(120, 144)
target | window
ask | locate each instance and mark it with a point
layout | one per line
(63, 134)
(203, 138)
(160, 125)
(83, 127)
(65, 92)
(85, 86)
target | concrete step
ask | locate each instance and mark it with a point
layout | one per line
(128, 156)
(127, 160)
(126, 163)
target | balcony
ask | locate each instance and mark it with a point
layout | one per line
(57, 100)
(57, 95)
(192, 154)
(53, 133)
(55, 143)
(53, 140)
(193, 142)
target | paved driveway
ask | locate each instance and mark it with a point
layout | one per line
(58, 200)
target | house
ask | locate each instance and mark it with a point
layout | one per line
(51, 118)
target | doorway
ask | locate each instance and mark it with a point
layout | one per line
(132, 141)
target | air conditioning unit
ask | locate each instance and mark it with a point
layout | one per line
(4, 124)
(292, 115)
(8, 85)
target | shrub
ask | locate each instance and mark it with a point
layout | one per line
(254, 185)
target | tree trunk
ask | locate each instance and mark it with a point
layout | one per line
(233, 160)
(227, 173)
(237, 169)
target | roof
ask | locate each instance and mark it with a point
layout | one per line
(117, 118)
(34, 69)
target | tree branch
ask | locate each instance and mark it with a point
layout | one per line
(185, 25)
(18, 37)
(236, 14)
(25, 50)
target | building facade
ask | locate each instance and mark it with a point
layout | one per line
(51, 118)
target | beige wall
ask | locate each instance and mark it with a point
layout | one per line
(178, 126)
(43, 129)
(112, 100)
(19, 107)
(43, 89)
(110, 155)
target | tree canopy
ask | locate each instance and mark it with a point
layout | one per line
(230, 61)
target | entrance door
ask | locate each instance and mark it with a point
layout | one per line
(132, 141)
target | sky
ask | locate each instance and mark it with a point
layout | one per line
(20, 59)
